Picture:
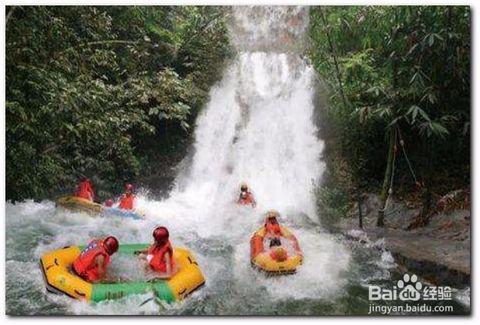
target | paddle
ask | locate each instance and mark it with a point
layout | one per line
(154, 298)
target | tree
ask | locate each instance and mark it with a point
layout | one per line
(88, 86)
(405, 71)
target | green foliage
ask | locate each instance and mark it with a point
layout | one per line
(333, 203)
(402, 69)
(89, 87)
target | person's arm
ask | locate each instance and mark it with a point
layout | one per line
(102, 271)
(100, 263)
(117, 204)
(142, 254)
(167, 263)
(91, 192)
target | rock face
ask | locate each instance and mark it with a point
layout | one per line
(439, 251)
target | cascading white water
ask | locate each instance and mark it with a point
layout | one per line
(257, 127)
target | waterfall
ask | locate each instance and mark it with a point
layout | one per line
(257, 127)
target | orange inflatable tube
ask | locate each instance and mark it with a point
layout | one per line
(261, 259)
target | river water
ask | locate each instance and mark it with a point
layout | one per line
(258, 127)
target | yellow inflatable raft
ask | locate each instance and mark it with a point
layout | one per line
(56, 268)
(261, 257)
(79, 204)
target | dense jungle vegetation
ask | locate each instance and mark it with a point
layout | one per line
(108, 92)
(399, 112)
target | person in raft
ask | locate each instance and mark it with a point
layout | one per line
(246, 197)
(127, 199)
(85, 189)
(160, 254)
(274, 232)
(92, 263)
(277, 252)
(272, 227)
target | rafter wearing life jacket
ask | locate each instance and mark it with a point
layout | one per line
(160, 253)
(272, 227)
(127, 200)
(85, 189)
(92, 263)
(246, 197)
(274, 233)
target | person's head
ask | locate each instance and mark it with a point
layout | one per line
(160, 235)
(111, 244)
(244, 188)
(109, 203)
(128, 188)
(279, 254)
(271, 216)
(271, 220)
(84, 178)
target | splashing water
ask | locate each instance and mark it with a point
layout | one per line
(257, 128)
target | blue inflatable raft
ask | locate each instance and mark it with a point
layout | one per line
(117, 212)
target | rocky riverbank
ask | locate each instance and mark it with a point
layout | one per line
(439, 252)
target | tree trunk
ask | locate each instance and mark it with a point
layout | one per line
(359, 200)
(427, 195)
(390, 157)
(9, 15)
(334, 56)
(386, 180)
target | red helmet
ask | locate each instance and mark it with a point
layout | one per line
(128, 187)
(160, 234)
(109, 203)
(111, 244)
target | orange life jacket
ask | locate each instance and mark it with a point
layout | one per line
(273, 228)
(247, 199)
(85, 190)
(157, 262)
(126, 202)
(85, 265)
